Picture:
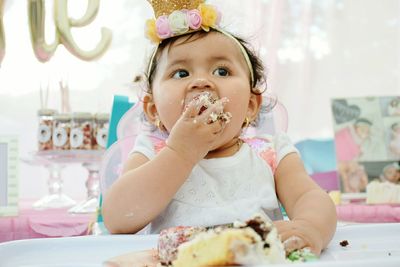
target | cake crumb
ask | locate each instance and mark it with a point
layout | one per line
(344, 243)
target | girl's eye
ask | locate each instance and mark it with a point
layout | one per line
(221, 72)
(179, 74)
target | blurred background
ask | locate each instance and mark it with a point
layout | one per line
(314, 50)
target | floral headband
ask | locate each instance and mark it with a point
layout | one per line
(179, 17)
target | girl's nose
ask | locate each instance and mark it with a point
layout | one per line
(200, 84)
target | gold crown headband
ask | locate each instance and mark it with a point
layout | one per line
(179, 17)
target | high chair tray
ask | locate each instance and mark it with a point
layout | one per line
(369, 245)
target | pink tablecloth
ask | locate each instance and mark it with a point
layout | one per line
(33, 223)
(363, 213)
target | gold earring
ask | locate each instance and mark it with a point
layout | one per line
(246, 122)
(159, 124)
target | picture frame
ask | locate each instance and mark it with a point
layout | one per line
(9, 174)
(367, 140)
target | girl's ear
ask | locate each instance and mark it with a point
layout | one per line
(149, 108)
(254, 106)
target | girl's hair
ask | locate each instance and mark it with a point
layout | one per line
(394, 102)
(393, 165)
(256, 63)
(362, 121)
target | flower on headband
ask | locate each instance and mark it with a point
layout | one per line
(163, 29)
(194, 19)
(178, 22)
(209, 15)
(182, 21)
(151, 32)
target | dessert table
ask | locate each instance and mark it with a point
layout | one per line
(34, 223)
(368, 245)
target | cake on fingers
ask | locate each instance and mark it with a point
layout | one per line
(205, 99)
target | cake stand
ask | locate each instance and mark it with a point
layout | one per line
(55, 161)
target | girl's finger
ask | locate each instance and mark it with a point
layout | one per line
(283, 227)
(191, 110)
(210, 115)
(217, 126)
(280, 224)
(293, 243)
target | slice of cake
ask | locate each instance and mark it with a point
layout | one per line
(228, 247)
(273, 247)
(383, 193)
(253, 242)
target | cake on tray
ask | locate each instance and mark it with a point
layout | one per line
(255, 241)
(383, 193)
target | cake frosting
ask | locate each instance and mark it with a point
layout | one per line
(205, 99)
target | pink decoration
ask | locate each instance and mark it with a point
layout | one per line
(270, 158)
(328, 181)
(194, 18)
(364, 213)
(32, 223)
(264, 148)
(163, 29)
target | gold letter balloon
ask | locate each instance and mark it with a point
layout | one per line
(63, 24)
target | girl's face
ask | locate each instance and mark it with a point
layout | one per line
(391, 174)
(396, 130)
(211, 63)
(362, 130)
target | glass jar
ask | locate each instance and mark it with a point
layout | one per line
(45, 129)
(81, 131)
(100, 131)
(61, 131)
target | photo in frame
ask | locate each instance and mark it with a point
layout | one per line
(8, 176)
(367, 140)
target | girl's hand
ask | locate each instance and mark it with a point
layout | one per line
(298, 234)
(194, 134)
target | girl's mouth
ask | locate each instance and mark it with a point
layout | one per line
(205, 100)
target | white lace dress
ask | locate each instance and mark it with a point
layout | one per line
(223, 190)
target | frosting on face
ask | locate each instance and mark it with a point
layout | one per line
(205, 100)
